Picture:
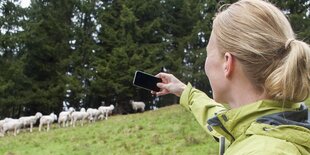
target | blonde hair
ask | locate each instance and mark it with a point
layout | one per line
(259, 35)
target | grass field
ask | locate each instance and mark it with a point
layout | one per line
(169, 130)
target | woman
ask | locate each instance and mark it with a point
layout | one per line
(257, 66)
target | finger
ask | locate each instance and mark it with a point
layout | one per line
(161, 85)
(164, 77)
(161, 93)
(158, 75)
(161, 75)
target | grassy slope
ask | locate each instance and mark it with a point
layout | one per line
(170, 130)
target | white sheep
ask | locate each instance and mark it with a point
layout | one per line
(11, 124)
(64, 117)
(47, 119)
(80, 116)
(101, 117)
(30, 120)
(136, 105)
(106, 110)
(93, 113)
(1, 124)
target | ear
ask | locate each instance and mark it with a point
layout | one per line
(229, 62)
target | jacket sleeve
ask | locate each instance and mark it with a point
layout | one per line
(201, 106)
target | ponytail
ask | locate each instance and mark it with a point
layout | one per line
(291, 80)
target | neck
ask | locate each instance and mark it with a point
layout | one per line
(245, 95)
(243, 92)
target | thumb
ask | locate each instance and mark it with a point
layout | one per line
(161, 85)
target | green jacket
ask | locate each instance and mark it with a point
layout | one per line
(265, 127)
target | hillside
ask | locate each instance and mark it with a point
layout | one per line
(169, 130)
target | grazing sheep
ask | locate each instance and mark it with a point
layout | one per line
(1, 127)
(80, 116)
(106, 110)
(47, 119)
(11, 124)
(94, 113)
(64, 117)
(101, 117)
(1, 124)
(30, 120)
(136, 105)
(153, 107)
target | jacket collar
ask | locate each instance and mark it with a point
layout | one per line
(298, 118)
(233, 123)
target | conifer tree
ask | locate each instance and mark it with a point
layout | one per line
(46, 49)
(83, 48)
(13, 84)
(85, 52)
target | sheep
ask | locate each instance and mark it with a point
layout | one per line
(64, 117)
(47, 119)
(106, 110)
(30, 120)
(101, 117)
(80, 115)
(93, 113)
(136, 105)
(1, 124)
(153, 107)
(11, 124)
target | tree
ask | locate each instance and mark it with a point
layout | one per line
(13, 83)
(298, 13)
(46, 52)
(85, 52)
(83, 48)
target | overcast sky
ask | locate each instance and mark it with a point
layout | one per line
(24, 3)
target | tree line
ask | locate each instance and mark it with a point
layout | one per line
(85, 52)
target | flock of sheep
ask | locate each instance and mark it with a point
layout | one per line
(65, 118)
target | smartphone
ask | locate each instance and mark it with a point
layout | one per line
(146, 81)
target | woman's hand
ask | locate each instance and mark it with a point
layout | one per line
(169, 85)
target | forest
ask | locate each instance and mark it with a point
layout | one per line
(84, 53)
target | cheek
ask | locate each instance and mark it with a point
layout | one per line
(206, 66)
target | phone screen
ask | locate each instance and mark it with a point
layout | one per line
(146, 81)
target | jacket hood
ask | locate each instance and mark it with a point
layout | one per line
(298, 118)
(291, 126)
(289, 122)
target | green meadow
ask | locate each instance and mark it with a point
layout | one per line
(168, 130)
